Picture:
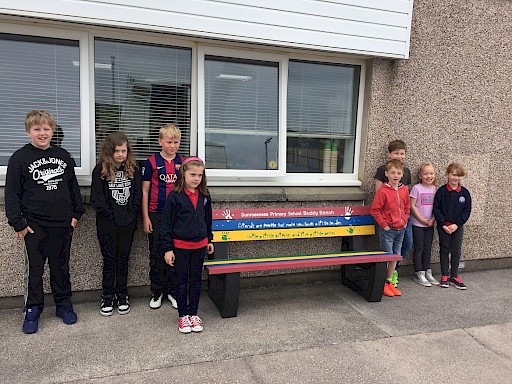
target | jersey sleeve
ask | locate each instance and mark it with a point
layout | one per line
(147, 171)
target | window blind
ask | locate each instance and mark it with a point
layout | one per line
(138, 88)
(39, 73)
(241, 112)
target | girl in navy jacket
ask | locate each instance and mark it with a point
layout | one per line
(186, 237)
(452, 207)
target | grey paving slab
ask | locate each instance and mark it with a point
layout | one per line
(487, 300)
(495, 337)
(236, 371)
(449, 356)
(270, 320)
(294, 333)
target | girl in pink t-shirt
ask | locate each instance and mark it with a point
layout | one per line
(422, 202)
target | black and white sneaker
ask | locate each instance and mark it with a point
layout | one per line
(156, 300)
(457, 283)
(107, 306)
(123, 305)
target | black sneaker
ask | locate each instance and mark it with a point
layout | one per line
(123, 305)
(457, 282)
(107, 306)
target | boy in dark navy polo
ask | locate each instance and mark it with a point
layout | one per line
(452, 207)
(159, 175)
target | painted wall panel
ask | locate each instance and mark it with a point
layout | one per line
(367, 27)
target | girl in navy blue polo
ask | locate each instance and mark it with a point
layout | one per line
(452, 207)
(186, 237)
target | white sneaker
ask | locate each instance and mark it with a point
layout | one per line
(420, 278)
(156, 300)
(173, 301)
(197, 323)
(431, 279)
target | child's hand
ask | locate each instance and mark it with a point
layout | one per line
(431, 222)
(386, 228)
(169, 257)
(21, 234)
(447, 229)
(74, 222)
(210, 248)
(147, 225)
(453, 227)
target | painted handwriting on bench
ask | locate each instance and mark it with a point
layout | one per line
(290, 235)
(296, 224)
(275, 213)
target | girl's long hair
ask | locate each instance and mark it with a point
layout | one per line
(179, 185)
(108, 170)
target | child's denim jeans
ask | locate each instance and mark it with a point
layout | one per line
(391, 241)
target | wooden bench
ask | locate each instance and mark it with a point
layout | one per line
(362, 270)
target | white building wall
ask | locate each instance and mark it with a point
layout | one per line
(365, 27)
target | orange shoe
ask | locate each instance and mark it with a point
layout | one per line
(387, 289)
(395, 291)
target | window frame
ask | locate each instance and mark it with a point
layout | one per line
(82, 36)
(214, 174)
(86, 36)
(229, 177)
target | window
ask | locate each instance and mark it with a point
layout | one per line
(258, 117)
(140, 87)
(266, 119)
(39, 73)
(321, 117)
(241, 113)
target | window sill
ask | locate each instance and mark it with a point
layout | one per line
(249, 194)
(252, 194)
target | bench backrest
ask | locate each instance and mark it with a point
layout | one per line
(290, 223)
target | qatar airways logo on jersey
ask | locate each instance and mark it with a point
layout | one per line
(168, 178)
(47, 173)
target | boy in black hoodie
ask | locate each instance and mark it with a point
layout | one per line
(43, 205)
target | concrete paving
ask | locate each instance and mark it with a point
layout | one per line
(310, 333)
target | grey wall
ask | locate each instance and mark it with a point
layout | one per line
(452, 101)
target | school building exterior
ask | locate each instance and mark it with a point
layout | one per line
(291, 103)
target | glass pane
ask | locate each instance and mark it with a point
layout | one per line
(39, 73)
(321, 117)
(241, 114)
(140, 87)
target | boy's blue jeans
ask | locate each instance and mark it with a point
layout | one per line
(391, 241)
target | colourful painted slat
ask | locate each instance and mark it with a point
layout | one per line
(299, 222)
(292, 233)
(293, 257)
(274, 265)
(268, 213)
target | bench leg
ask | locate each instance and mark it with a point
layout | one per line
(224, 291)
(365, 279)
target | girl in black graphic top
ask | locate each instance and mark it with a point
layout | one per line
(116, 195)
